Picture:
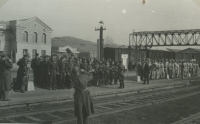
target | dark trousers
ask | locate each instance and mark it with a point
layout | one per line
(52, 83)
(121, 80)
(146, 78)
(116, 78)
(81, 118)
(101, 78)
(61, 84)
(96, 78)
(107, 78)
(23, 82)
(36, 75)
(112, 77)
(3, 94)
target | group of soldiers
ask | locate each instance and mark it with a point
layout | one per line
(168, 69)
(57, 72)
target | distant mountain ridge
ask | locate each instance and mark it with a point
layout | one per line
(80, 44)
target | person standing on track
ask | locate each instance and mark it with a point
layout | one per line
(5, 76)
(83, 106)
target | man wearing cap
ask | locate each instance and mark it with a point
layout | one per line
(62, 73)
(36, 66)
(53, 71)
(5, 77)
(22, 72)
(70, 66)
(121, 71)
(44, 72)
(116, 72)
(96, 72)
(83, 106)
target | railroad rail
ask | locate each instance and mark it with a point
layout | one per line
(64, 113)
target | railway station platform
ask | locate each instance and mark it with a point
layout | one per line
(43, 95)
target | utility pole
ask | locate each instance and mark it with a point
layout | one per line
(101, 39)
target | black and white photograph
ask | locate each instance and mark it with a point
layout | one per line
(99, 61)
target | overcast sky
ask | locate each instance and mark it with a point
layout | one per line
(78, 18)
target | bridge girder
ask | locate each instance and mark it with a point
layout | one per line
(166, 38)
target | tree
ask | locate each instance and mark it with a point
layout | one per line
(108, 41)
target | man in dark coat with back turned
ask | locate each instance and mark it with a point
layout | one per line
(22, 72)
(5, 77)
(36, 66)
(83, 106)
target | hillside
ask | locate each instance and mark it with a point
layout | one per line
(81, 45)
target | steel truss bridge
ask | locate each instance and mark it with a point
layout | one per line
(165, 38)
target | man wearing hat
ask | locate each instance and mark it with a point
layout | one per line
(22, 72)
(116, 72)
(62, 73)
(36, 66)
(5, 76)
(53, 71)
(146, 72)
(83, 105)
(44, 71)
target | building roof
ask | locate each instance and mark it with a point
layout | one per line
(173, 50)
(197, 50)
(23, 21)
(66, 49)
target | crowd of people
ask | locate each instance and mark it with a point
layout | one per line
(57, 72)
(166, 69)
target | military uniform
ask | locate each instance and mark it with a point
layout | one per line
(53, 70)
(166, 69)
(22, 74)
(62, 74)
(83, 106)
(107, 74)
(36, 66)
(116, 73)
(112, 72)
(69, 74)
(162, 70)
(96, 73)
(101, 73)
(146, 73)
(44, 72)
(121, 71)
(5, 77)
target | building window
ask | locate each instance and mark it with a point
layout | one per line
(43, 53)
(25, 51)
(43, 38)
(33, 53)
(25, 36)
(35, 37)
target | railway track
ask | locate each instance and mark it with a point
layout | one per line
(64, 113)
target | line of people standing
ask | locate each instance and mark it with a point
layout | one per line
(164, 69)
(57, 72)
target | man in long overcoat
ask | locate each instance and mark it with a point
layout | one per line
(5, 76)
(36, 66)
(83, 106)
(45, 77)
(22, 72)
